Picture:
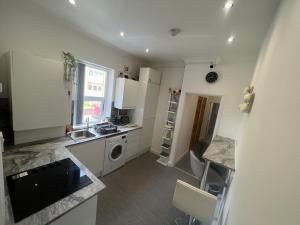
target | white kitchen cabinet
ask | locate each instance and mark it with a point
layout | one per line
(148, 93)
(146, 134)
(91, 154)
(149, 75)
(145, 112)
(126, 93)
(151, 100)
(133, 144)
(39, 95)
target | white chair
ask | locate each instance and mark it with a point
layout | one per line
(195, 202)
(197, 167)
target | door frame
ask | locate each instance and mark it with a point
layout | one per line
(184, 94)
(198, 120)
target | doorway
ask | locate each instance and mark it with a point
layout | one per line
(205, 120)
(201, 126)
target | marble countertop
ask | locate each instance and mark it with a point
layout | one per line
(29, 157)
(121, 130)
(221, 151)
(24, 157)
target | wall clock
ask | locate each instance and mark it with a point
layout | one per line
(211, 77)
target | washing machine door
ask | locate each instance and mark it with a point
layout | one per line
(116, 152)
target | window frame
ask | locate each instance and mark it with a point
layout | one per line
(105, 106)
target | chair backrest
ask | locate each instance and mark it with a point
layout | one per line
(196, 165)
(194, 202)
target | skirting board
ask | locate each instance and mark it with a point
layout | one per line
(172, 164)
(143, 151)
(154, 151)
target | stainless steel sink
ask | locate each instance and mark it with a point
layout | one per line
(81, 134)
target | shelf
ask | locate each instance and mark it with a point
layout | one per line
(171, 112)
(168, 139)
(164, 154)
(169, 127)
(165, 146)
(168, 121)
(163, 160)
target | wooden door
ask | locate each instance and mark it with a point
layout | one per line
(212, 120)
(198, 121)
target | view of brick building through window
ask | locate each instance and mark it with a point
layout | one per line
(94, 93)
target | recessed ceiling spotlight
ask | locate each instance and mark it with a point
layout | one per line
(122, 34)
(72, 2)
(228, 4)
(230, 39)
(147, 50)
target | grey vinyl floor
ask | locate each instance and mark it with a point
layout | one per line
(185, 164)
(140, 193)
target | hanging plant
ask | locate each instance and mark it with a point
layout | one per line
(69, 65)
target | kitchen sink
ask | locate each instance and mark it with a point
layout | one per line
(81, 134)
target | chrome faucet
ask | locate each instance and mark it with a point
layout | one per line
(87, 123)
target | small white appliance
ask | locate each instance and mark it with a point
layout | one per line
(115, 149)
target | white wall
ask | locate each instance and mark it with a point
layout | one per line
(28, 28)
(184, 127)
(171, 78)
(267, 171)
(233, 79)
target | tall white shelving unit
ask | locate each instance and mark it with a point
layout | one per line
(169, 127)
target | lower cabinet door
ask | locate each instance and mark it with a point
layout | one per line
(91, 154)
(132, 150)
(146, 134)
(133, 144)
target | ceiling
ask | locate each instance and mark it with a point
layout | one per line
(205, 26)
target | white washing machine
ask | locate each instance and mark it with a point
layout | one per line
(115, 149)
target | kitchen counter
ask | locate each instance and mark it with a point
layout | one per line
(221, 151)
(30, 157)
(121, 130)
(24, 157)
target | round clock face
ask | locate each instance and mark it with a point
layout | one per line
(211, 77)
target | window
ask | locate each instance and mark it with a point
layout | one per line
(91, 95)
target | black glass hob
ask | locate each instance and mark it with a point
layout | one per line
(35, 189)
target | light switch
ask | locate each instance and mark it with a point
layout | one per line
(1, 88)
